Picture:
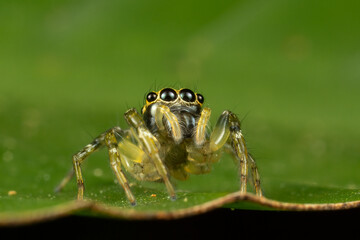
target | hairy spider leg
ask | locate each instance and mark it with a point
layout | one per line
(105, 139)
(115, 164)
(65, 180)
(254, 170)
(151, 146)
(200, 157)
(238, 144)
(228, 129)
(78, 158)
(255, 176)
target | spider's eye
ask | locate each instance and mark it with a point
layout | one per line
(168, 95)
(151, 97)
(200, 98)
(187, 95)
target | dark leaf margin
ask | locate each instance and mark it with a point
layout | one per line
(72, 207)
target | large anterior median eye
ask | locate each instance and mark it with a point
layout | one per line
(168, 94)
(151, 97)
(187, 95)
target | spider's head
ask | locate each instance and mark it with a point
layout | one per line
(184, 104)
(172, 97)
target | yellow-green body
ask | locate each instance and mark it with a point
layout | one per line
(169, 139)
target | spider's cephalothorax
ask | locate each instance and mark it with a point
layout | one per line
(169, 139)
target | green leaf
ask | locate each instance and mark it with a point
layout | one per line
(70, 70)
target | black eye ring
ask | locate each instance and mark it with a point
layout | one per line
(200, 98)
(168, 94)
(152, 96)
(187, 95)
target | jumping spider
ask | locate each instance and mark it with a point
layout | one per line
(170, 138)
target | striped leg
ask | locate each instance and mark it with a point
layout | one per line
(200, 157)
(238, 144)
(151, 146)
(78, 158)
(228, 128)
(241, 153)
(115, 164)
(255, 176)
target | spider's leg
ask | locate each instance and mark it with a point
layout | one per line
(200, 158)
(163, 112)
(78, 158)
(65, 180)
(228, 129)
(151, 146)
(255, 175)
(254, 170)
(239, 146)
(115, 163)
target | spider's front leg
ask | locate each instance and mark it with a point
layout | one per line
(150, 146)
(115, 163)
(228, 129)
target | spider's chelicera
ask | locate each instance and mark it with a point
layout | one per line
(169, 138)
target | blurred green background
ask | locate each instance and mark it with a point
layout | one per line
(289, 69)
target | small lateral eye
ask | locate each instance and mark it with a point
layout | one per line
(200, 98)
(151, 97)
(187, 95)
(168, 94)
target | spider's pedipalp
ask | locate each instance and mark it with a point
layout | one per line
(200, 131)
(221, 132)
(163, 113)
